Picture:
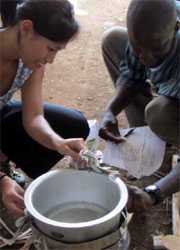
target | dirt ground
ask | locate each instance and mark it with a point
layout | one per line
(78, 79)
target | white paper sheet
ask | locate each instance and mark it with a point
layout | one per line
(141, 155)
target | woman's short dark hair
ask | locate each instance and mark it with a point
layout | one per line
(53, 19)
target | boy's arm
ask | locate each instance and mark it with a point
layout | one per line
(131, 81)
(170, 183)
(140, 200)
(109, 125)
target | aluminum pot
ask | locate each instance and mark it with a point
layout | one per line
(76, 206)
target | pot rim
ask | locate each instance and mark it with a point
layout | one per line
(36, 215)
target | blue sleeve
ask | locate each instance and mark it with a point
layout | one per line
(132, 72)
(178, 8)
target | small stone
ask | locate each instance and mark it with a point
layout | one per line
(90, 98)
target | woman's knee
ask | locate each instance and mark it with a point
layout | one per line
(68, 123)
(84, 127)
(78, 126)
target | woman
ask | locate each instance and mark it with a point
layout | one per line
(33, 136)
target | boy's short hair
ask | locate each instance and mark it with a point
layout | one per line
(152, 15)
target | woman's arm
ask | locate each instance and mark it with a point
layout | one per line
(37, 126)
(32, 109)
(12, 195)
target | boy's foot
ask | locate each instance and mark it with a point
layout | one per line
(9, 170)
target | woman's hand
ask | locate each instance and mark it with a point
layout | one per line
(71, 147)
(12, 196)
(3, 157)
(139, 200)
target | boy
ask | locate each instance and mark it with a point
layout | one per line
(148, 51)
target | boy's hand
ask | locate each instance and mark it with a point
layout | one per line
(139, 200)
(12, 196)
(109, 130)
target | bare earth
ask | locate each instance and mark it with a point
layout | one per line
(78, 79)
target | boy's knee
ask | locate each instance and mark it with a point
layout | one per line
(162, 117)
(156, 112)
(112, 36)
